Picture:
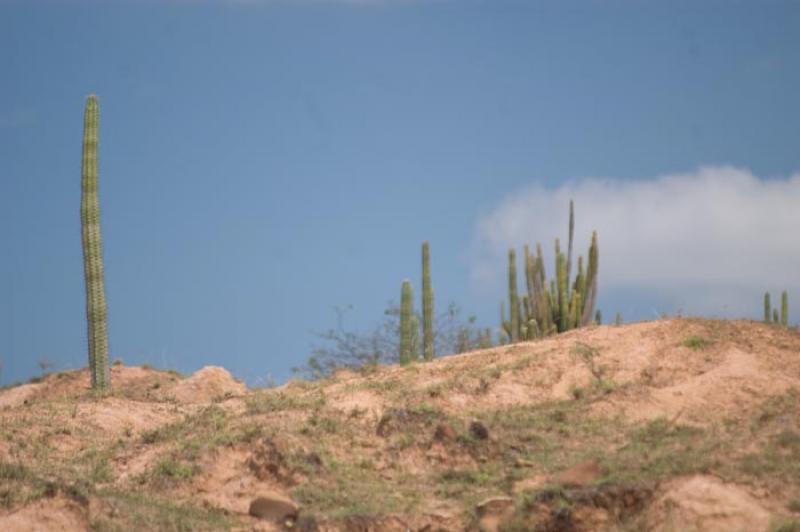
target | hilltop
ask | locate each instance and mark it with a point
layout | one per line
(675, 424)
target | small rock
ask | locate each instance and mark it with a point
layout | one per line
(274, 507)
(579, 475)
(313, 458)
(479, 430)
(529, 484)
(493, 511)
(444, 432)
(494, 506)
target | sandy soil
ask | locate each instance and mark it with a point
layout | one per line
(209, 447)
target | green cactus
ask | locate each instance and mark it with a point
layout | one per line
(96, 311)
(415, 337)
(427, 303)
(502, 337)
(561, 303)
(775, 318)
(533, 330)
(598, 317)
(407, 333)
(785, 309)
(571, 235)
(513, 298)
(618, 319)
(767, 308)
(580, 279)
(590, 296)
(505, 325)
(561, 285)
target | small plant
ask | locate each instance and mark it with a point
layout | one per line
(45, 364)
(695, 342)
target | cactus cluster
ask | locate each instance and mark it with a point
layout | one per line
(93, 252)
(410, 346)
(771, 314)
(555, 306)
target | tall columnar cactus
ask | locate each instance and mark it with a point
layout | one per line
(96, 312)
(590, 298)
(415, 337)
(775, 318)
(785, 309)
(767, 308)
(571, 235)
(533, 330)
(427, 303)
(505, 325)
(561, 284)
(513, 298)
(407, 353)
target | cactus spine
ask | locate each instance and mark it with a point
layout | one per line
(767, 308)
(513, 298)
(427, 303)
(96, 311)
(407, 354)
(785, 309)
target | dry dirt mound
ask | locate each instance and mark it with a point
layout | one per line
(603, 428)
(131, 382)
(58, 513)
(699, 370)
(706, 504)
(211, 383)
(19, 395)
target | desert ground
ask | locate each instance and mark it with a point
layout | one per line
(678, 424)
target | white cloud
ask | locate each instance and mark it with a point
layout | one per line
(708, 241)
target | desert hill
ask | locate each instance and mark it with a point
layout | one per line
(675, 424)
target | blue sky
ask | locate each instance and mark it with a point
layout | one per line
(262, 162)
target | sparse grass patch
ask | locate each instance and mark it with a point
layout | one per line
(661, 449)
(358, 491)
(696, 342)
(174, 469)
(269, 401)
(317, 423)
(792, 525)
(138, 511)
(780, 458)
